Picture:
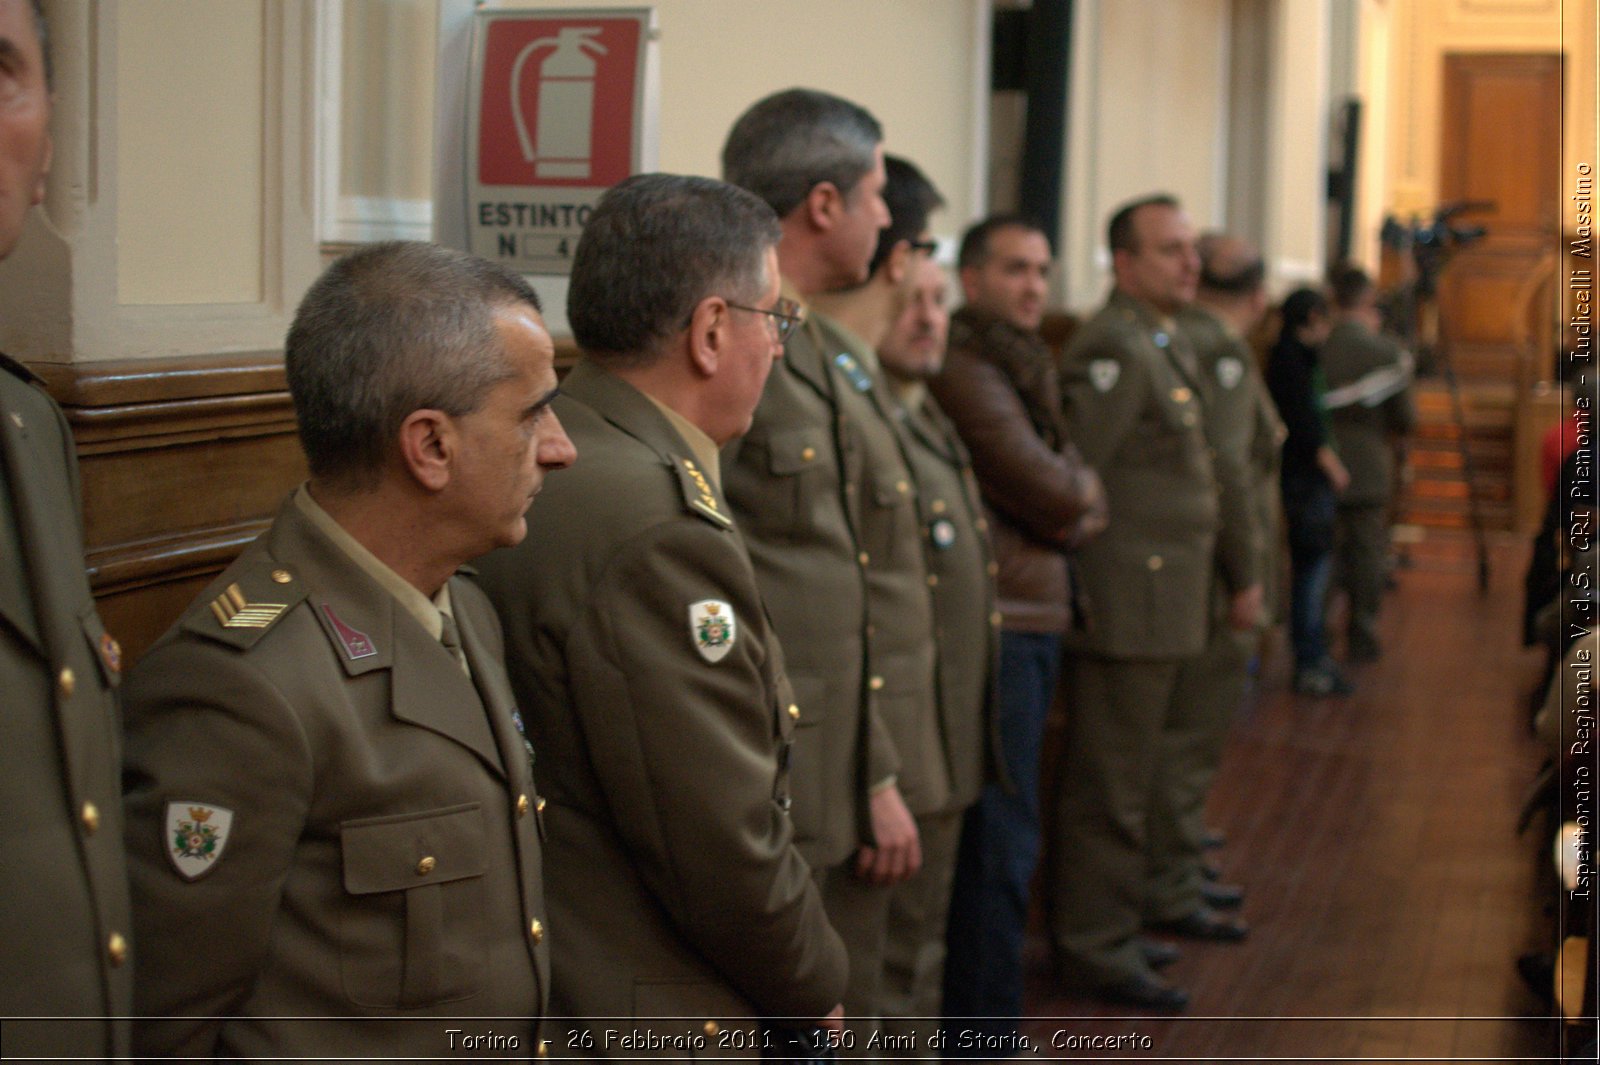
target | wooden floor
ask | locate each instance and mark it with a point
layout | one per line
(1389, 895)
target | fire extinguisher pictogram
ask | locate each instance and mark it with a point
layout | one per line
(560, 145)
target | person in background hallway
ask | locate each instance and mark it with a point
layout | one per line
(900, 643)
(64, 926)
(333, 834)
(1311, 481)
(999, 389)
(639, 644)
(1131, 389)
(1244, 431)
(815, 486)
(1370, 409)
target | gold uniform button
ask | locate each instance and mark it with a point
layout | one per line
(1180, 395)
(993, 569)
(117, 949)
(282, 576)
(425, 866)
(67, 682)
(523, 806)
(536, 930)
(711, 1029)
(902, 487)
(1155, 562)
(937, 506)
(994, 619)
(794, 712)
(540, 807)
(807, 454)
(933, 580)
(982, 524)
(864, 558)
(876, 684)
(90, 817)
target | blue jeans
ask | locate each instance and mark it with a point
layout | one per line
(999, 850)
(1310, 508)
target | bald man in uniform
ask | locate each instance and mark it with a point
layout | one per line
(65, 957)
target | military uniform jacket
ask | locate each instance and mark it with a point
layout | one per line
(1369, 402)
(900, 634)
(1243, 429)
(663, 719)
(792, 483)
(375, 846)
(1130, 389)
(64, 891)
(961, 572)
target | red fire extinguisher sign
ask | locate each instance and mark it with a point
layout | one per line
(556, 113)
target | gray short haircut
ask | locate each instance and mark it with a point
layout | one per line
(789, 143)
(387, 330)
(655, 246)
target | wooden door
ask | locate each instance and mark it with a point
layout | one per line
(1501, 143)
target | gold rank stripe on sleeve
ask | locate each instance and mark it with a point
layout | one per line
(234, 611)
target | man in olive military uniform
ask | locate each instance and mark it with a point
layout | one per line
(961, 571)
(820, 491)
(333, 832)
(1370, 409)
(1244, 432)
(1131, 390)
(64, 950)
(639, 642)
(900, 640)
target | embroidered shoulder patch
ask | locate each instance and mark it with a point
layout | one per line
(197, 834)
(712, 628)
(697, 493)
(853, 371)
(234, 611)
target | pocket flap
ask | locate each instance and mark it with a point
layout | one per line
(410, 850)
(794, 450)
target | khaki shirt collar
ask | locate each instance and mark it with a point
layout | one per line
(426, 611)
(704, 448)
(863, 351)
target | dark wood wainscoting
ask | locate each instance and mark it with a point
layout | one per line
(183, 462)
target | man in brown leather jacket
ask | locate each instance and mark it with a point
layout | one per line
(999, 388)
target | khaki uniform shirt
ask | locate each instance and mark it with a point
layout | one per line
(328, 819)
(1369, 403)
(1131, 393)
(64, 924)
(663, 717)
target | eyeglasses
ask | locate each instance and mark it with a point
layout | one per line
(785, 316)
(927, 247)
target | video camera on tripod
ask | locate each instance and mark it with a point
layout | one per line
(1431, 244)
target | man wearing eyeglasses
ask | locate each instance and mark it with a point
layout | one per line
(681, 912)
(822, 494)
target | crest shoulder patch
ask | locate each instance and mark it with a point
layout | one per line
(1103, 374)
(712, 628)
(196, 836)
(1230, 371)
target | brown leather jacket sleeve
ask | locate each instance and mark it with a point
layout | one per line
(1049, 492)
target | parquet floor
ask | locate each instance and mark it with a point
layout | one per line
(1389, 894)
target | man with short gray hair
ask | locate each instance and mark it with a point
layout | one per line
(640, 643)
(820, 488)
(331, 808)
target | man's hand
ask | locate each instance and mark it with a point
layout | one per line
(898, 854)
(1333, 469)
(1245, 607)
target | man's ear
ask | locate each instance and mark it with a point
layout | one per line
(968, 276)
(822, 205)
(708, 334)
(898, 263)
(428, 447)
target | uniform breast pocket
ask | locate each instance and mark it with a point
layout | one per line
(412, 932)
(797, 475)
(889, 521)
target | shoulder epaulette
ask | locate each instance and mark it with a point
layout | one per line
(247, 608)
(697, 493)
